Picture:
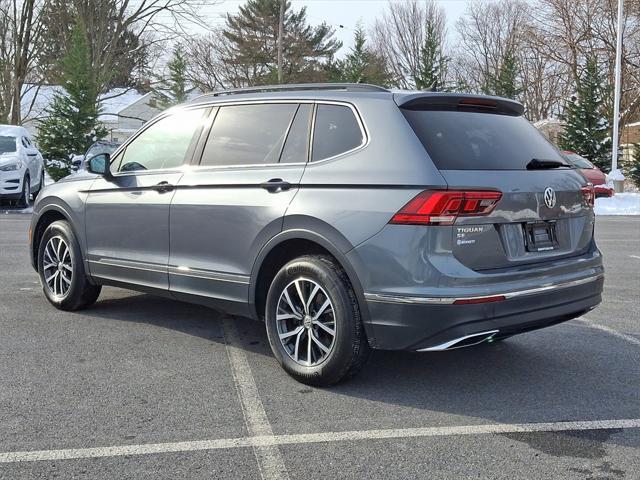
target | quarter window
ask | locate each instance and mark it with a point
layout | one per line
(248, 134)
(164, 144)
(336, 131)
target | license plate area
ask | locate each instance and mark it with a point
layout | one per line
(540, 236)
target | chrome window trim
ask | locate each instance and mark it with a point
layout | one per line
(414, 300)
(363, 129)
(186, 167)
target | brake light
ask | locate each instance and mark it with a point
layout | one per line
(442, 207)
(589, 194)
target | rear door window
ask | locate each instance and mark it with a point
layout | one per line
(458, 140)
(296, 147)
(336, 131)
(248, 134)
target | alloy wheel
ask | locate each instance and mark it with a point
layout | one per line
(305, 322)
(57, 267)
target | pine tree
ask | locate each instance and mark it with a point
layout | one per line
(505, 83)
(174, 89)
(633, 167)
(433, 63)
(253, 35)
(71, 122)
(361, 65)
(587, 130)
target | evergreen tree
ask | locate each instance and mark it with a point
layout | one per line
(361, 65)
(174, 89)
(71, 123)
(633, 167)
(253, 37)
(505, 83)
(433, 63)
(587, 130)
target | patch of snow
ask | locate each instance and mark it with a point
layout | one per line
(620, 204)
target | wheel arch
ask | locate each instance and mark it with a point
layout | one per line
(46, 217)
(288, 245)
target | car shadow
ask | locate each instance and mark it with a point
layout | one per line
(540, 375)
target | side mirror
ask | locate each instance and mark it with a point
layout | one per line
(100, 165)
(76, 162)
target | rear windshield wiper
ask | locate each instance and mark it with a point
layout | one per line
(542, 163)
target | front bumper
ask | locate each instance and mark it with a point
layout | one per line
(422, 323)
(11, 185)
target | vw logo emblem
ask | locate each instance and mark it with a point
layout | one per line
(550, 197)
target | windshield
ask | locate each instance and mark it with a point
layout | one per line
(578, 161)
(100, 148)
(459, 140)
(7, 144)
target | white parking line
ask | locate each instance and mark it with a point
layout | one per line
(635, 256)
(272, 441)
(610, 331)
(269, 460)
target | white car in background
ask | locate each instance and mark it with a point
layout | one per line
(21, 166)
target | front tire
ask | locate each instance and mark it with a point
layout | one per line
(25, 197)
(313, 322)
(40, 186)
(62, 275)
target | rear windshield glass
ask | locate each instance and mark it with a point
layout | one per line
(578, 161)
(7, 144)
(458, 140)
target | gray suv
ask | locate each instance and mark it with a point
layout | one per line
(345, 217)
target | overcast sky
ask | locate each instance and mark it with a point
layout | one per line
(336, 13)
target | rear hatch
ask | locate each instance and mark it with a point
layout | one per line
(482, 143)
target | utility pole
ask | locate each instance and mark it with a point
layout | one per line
(616, 174)
(281, 39)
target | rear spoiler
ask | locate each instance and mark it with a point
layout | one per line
(458, 101)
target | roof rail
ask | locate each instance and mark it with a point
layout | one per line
(348, 87)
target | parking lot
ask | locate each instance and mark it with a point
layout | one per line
(145, 387)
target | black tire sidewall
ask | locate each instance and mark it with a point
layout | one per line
(78, 279)
(26, 187)
(346, 314)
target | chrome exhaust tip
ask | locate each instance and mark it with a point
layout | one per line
(466, 341)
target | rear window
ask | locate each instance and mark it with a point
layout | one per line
(578, 161)
(458, 140)
(7, 144)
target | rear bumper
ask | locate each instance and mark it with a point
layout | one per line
(603, 191)
(419, 323)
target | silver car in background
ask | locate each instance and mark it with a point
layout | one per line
(345, 217)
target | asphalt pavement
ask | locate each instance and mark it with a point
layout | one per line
(145, 387)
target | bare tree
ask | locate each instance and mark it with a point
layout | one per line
(489, 34)
(399, 38)
(20, 40)
(574, 31)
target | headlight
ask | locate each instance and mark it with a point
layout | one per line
(11, 167)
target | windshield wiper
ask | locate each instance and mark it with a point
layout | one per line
(542, 163)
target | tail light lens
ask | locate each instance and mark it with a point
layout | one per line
(589, 194)
(442, 207)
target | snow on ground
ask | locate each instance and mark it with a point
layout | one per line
(620, 204)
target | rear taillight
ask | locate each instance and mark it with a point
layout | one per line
(442, 207)
(589, 194)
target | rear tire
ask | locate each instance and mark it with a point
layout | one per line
(62, 274)
(309, 298)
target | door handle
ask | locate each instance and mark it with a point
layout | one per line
(163, 187)
(275, 185)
